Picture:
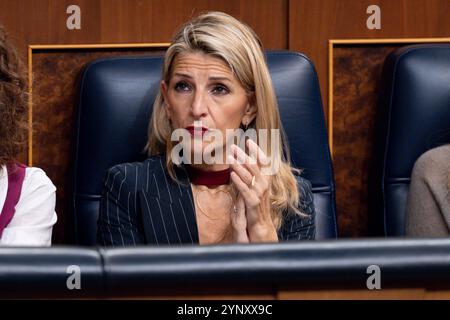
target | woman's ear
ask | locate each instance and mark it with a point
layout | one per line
(250, 111)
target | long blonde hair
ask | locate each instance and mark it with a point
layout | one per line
(222, 36)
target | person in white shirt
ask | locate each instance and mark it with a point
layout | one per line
(27, 196)
(34, 214)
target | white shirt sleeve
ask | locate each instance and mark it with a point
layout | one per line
(35, 214)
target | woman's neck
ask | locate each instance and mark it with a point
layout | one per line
(209, 175)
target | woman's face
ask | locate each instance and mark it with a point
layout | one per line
(203, 88)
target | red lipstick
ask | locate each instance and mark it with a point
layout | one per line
(196, 131)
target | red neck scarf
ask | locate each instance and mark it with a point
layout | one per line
(208, 178)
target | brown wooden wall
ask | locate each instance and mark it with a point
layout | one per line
(299, 25)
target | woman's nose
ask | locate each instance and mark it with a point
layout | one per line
(199, 108)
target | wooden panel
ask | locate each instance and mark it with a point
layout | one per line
(364, 294)
(361, 294)
(357, 82)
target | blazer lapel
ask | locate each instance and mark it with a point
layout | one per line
(167, 209)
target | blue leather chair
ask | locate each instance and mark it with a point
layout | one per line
(417, 105)
(114, 110)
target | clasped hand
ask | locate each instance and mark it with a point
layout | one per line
(251, 219)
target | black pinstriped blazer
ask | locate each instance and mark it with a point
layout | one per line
(141, 204)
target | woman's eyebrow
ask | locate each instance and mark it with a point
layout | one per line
(219, 78)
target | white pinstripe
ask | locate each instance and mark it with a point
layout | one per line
(129, 218)
(156, 183)
(184, 215)
(148, 171)
(165, 179)
(307, 231)
(162, 218)
(117, 207)
(189, 180)
(174, 222)
(135, 190)
(108, 224)
(179, 188)
(107, 209)
(151, 220)
(128, 209)
(109, 173)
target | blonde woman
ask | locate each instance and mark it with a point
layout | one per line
(215, 81)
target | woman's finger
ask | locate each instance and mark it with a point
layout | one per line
(257, 183)
(250, 198)
(255, 150)
(242, 158)
(240, 185)
(243, 173)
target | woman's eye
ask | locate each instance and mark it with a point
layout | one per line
(220, 89)
(182, 86)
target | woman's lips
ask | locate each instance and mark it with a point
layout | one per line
(197, 131)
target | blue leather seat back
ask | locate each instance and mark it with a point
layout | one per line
(116, 97)
(418, 107)
(298, 94)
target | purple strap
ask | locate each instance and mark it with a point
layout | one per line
(16, 175)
